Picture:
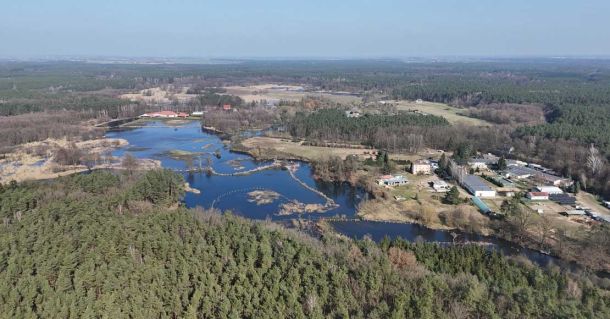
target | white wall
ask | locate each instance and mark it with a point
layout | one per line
(485, 194)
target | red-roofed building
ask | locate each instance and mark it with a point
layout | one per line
(226, 107)
(538, 195)
(183, 115)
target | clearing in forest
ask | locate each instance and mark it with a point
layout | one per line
(453, 114)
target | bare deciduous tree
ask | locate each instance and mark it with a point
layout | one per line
(595, 162)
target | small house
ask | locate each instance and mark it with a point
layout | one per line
(197, 113)
(183, 115)
(536, 196)
(226, 107)
(392, 180)
(440, 186)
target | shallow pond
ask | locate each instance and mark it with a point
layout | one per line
(173, 146)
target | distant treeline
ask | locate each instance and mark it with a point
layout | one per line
(96, 105)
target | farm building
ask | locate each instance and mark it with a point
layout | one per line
(392, 180)
(551, 190)
(226, 107)
(440, 186)
(420, 168)
(477, 187)
(519, 172)
(534, 196)
(197, 113)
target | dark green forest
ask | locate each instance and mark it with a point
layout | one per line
(118, 245)
(333, 125)
(587, 124)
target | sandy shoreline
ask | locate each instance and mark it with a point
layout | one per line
(36, 160)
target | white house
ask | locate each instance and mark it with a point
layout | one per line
(197, 113)
(392, 180)
(440, 186)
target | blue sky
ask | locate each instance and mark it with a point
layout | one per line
(307, 28)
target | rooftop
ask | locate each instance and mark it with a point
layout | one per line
(549, 189)
(520, 171)
(476, 183)
(392, 178)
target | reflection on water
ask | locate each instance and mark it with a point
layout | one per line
(231, 192)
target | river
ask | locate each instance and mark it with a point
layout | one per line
(156, 140)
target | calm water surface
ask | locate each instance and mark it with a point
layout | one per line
(156, 139)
